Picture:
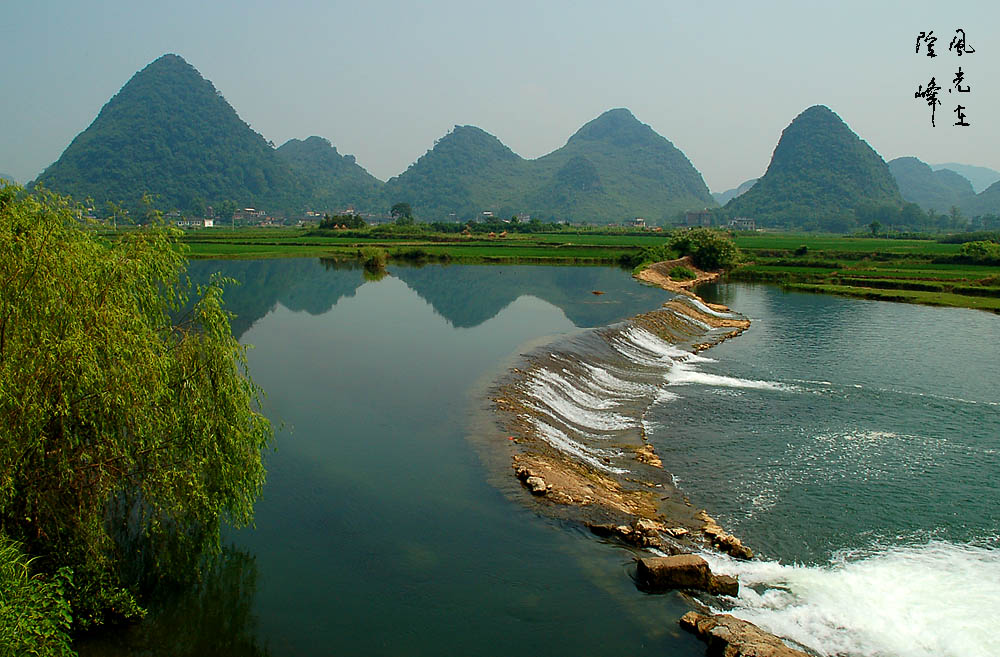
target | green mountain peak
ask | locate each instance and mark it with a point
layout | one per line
(819, 173)
(169, 132)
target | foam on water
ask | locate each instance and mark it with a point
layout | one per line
(647, 341)
(571, 412)
(607, 381)
(703, 307)
(564, 443)
(936, 599)
(579, 397)
(684, 374)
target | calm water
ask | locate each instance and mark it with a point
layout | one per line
(853, 444)
(377, 532)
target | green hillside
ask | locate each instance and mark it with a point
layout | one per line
(170, 133)
(931, 190)
(332, 181)
(467, 171)
(614, 168)
(819, 173)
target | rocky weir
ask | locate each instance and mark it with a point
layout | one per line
(574, 417)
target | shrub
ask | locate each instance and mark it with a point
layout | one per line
(373, 257)
(34, 612)
(709, 249)
(681, 273)
(981, 251)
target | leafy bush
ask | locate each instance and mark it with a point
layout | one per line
(981, 252)
(802, 250)
(34, 613)
(373, 257)
(709, 249)
(681, 273)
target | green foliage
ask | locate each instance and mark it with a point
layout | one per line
(352, 221)
(681, 273)
(35, 615)
(801, 250)
(709, 249)
(981, 252)
(402, 213)
(126, 437)
(962, 238)
(373, 258)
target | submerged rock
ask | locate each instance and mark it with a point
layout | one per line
(728, 636)
(683, 571)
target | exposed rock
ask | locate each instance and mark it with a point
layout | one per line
(733, 546)
(646, 454)
(728, 636)
(723, 540)
(536, 485)
(683, 571)
(680, 571)
(724, 585)
(641, 533)
(571, 483)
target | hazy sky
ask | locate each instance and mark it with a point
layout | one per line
(383, 80)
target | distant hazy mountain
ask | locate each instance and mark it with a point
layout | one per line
(931, 190)
(820, 171)
(725, 197)
(985, 202)
(332, 181)
(170, 133)
(613, 168)
(980, 177)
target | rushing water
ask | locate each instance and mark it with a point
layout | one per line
(852, 444)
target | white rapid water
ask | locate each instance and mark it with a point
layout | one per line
(564, 443)
(937, 599)
(562, 399)
(685, 374)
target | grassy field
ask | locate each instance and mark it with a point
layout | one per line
(913, 271)
(290, 242)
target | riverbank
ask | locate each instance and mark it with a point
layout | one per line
(921, 271)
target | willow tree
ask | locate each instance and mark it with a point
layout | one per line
(129, 430)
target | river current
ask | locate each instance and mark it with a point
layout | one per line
(852, 444)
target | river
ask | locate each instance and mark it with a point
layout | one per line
(852, 444)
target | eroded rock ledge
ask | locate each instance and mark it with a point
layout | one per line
(728, 636)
